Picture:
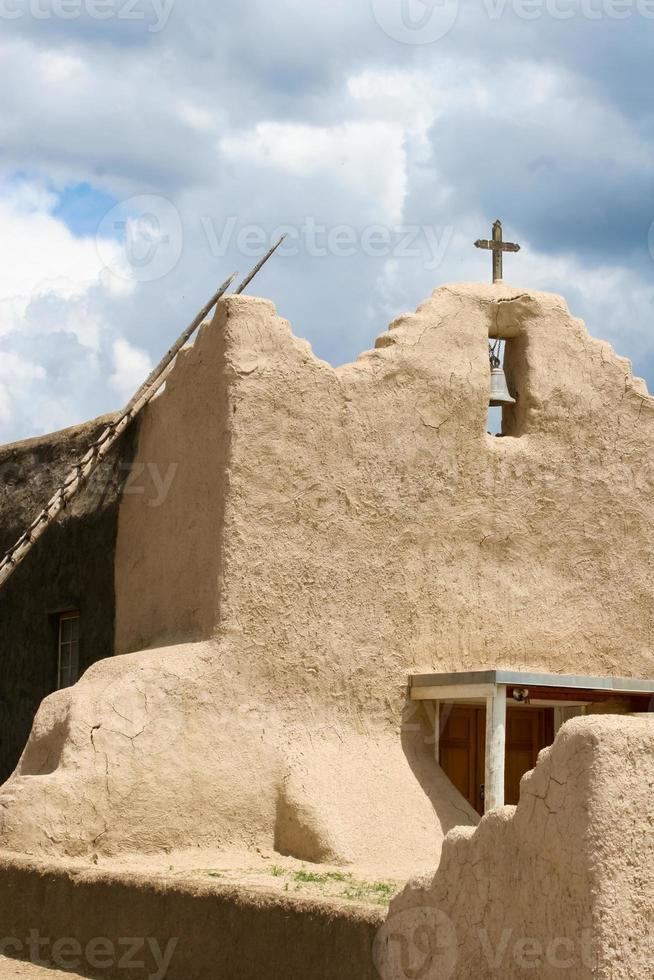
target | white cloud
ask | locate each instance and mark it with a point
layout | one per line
(61, 68)
(54, 340)
(131, 368)
(38, 254)
(15, 373)
(365, 158)
(272, 114)
(615, 302)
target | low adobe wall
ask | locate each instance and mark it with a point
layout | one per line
(558, 887)
(133, 928)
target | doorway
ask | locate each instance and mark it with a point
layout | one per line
(462, 743)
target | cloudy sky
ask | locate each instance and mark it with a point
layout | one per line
(150, 147)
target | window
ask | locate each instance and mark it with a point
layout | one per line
(68, 649)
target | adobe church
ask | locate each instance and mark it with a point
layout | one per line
(324, 610)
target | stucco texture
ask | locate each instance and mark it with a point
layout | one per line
(362, 520)
(328, 532)
(559, 886)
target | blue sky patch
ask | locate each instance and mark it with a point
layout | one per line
(82, 208)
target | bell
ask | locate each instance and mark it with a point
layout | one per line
(499, 392)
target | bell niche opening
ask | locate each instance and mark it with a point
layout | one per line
(503, 396)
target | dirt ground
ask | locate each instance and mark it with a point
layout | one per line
(266, 871)
(10, 969)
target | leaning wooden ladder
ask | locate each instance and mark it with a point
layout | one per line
(79, 475)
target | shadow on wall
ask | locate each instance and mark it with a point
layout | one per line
(70, 567)
(515, 418)
(298, 833)
(418, 745)
(183, 440)
(50, 732)
(512, 420)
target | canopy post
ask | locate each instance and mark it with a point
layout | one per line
(495, 748)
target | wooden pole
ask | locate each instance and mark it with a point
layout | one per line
(79, 475)
(183, 338)
(248, 279)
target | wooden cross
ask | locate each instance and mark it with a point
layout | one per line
(497, 246)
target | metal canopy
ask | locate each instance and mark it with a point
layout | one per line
(518, 678)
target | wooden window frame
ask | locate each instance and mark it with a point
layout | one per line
(68, 649)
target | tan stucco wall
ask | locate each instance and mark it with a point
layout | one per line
(387, 531)
(168, 553)
(559, 887)
(371, 524)
(170, 750)
(328, 532)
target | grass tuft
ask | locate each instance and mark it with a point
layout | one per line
(371, 892)
(318, 878)
(379, 892)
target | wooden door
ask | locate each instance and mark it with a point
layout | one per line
(528, 730)
(458, 755)
(462, 745)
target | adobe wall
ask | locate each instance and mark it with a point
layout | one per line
(559, 886)
(168, 750)
(169, 551)
(371, 525)
(196, 931)
(327, 533)
(71, 567)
